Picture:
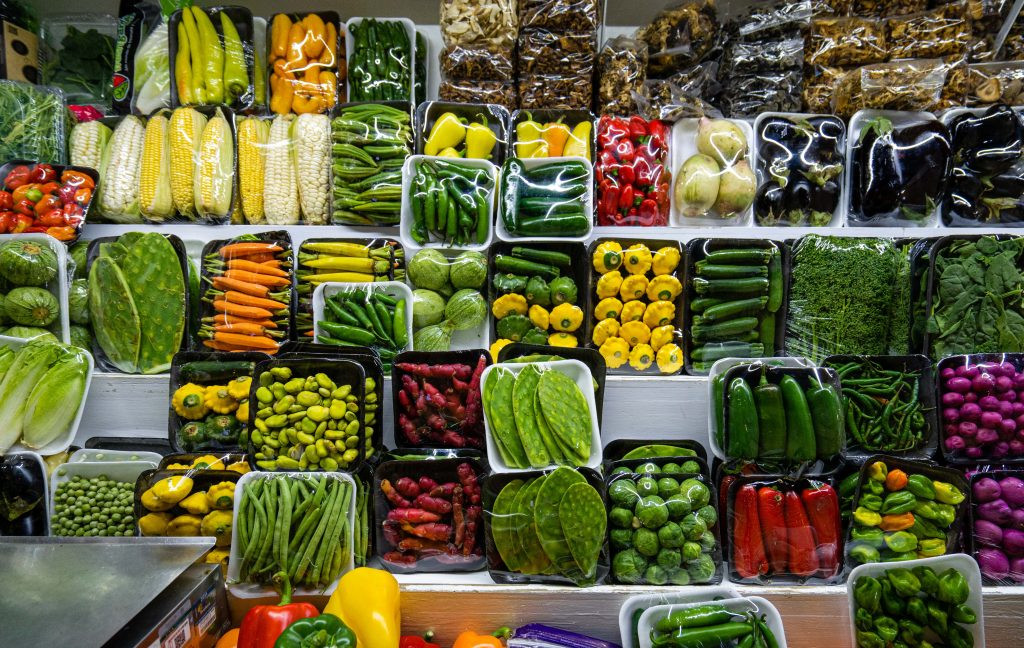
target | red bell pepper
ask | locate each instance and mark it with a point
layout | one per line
(610, 130)
(416, 641)
(659, 137)
(66, 193)
(771, 511)
(627, 174)
(264, 623)
(73, 212)
(21, 223)
(42, 173)
(637, 127)
(648, 212)
(803, 557)
(822, 505)
(748, 556)
(605, 159)
(626, 198)
(16, 177)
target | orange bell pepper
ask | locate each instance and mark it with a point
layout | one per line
(470, 639)
(229, 639)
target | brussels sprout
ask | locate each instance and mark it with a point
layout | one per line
(656, 575)
(646, 542)
(621, 518)
(690, 551)
(689, 467)
(649, 468)
(628, 566)
(697, 490)
(669, 559)
(693, 527)
(623, 493)
(671, 467)
(679, 506)
(707, 541)
(621, 538)
(701, 570)
(671, 535)
(708, 514)
(667, 487)
(652, 512)
(679, 577)
(647, 486)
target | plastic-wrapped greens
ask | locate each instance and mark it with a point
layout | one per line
(846, 41)
(564, 15)
(560, 92)
(556, 53)
(622, 66)
(478, 91)
(80, 56)
(459, 62)
(33, 121)
(938, 32)
(679, 36)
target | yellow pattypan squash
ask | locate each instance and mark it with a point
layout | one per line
(188, 402)
(670, 358)
(605, 329)
(666, 260)
(633, 311)
(511, 304)
(207, 462)
(222, 495)
(637, 259)
(659, 313)
(239, 387)
(615, 351)
(184, 525)
(633, 287)
(497, 346)
(154, 524)
(662, 336)
(566, 317)
(641, 357)
(635, 333)
(219, 400)
(608, 309)
(218, 525)
(608, 285)
(563, 340)
(607, 257)
(539, 316)
(664, 287)
(195, 504)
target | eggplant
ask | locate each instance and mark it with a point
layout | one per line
(769, 203)
(22, 496)
(1007, 185)
(831, 134)
(990, 143)
(900, 171)
(824, 200)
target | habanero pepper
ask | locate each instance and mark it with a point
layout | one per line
(7, 219)
(822, 505)
(263, 624)
(624, 151)
(21, 223)
(46, 203)
(928, 580)
(49, 187)
(748, 555)
(6, 200)
(42, 173)
(771, 512)
(898, 502)
(17, 177)
(52, 218)
(803, 556)
(65, 233)
(77, 179)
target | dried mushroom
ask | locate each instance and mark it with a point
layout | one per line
(746, 57)
(887, 7)
(680, 35)
(459, 62)
(476, 91)
(939, 32)
(622, 66)
(560, 93)
(750, 94)
(562, 15)
(491, 24)
(781, 19)
(989, 83)
(556, 53)
(846, 41)
(900, 85)
(819, 84)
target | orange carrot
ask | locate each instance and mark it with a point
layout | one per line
(225, 318)
(247, 248)
(245, 264)
(254, 277)
(227, 283)
(253, 341)
(224, 346)
(248, 300)
(251, 312)
(242, 328)
(272, 262)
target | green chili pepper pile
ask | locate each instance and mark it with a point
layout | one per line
(902, 516)
(366, 318)
(381, 65)
(369, 145)
(712, 625)
(884, 412)
(450, 203)
(913, 607)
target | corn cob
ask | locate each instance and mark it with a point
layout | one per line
(186, 129)
(311, 135)
(215, 170)
(280, 199)
(86, 142)
(155, 176)
(119, 172)
(252, 141)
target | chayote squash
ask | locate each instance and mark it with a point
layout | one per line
(27, 263)
(81, 337)
(78, 301)
(31, 306)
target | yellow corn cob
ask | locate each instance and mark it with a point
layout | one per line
(155, 177)
(280, 197)
(215, 171)
(252, 141)
(186, 128)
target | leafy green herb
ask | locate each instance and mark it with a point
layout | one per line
(899, 329)
(83, 67)
(32, 123)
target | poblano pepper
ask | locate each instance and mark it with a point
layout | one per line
(904, 582)
(953, 587)
(899, 502)
(920, 486)
(867, 592)
(928, 579)
(324, 631)
(901, 541)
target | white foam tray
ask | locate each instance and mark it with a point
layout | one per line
(255, 590)
(683, 146)
(738, 605)
(121, 471)
(644, 601)
(405, 226)
(574, 369)
(350, 47)
(93, 455)
(61, 289)
(588, 203)
(396, 289)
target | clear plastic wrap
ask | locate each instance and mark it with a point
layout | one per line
(59, 212)
(990, 83)
(501, 93)
(543, 52)
(680, 36)
(370, 143)
(744, 57)
(911, 85)
(428, 422)
(945, 31)
(846, 41)
(210, 57)
(214, 175)
(898, 168)
(997, 554)
(853, 317)
(986, 185)
(35, 122)
(887, 7)
(686, 93)
(676, 538)
(714, 181)
(80, 56)
(431, 515)
(485, 26)
(380, 59)
(553, 133)
(557, 92)
(304, 56)
(637, 288)
(152, 73)
(472, 131)
(118, 196)
(661, 622)
(819, 84)
(447, 202)
(632, 162)
(561, 15)
(784, 530)
(377, 315)
(546, 198)
(986, 433)
(622, 69)
(780, 19)
(461, 62)
(33, 263)
(749, 95)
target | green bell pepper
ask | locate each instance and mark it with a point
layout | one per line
(931, 547)
(953, 587)
(874, 487)
(928, 578)
(891, 603)
(898, 503)
(947, 493)
(924, 529)
(904, 582)
(920, 486)
(917, 611)
(901, 541)
(886, 628)
(865, 553)
(324, 631)
(960, 637)
(941, 514)
(938, 619)
(867, 593)
(964, 614)
(869, 640)
(866, 517)
(870, 535)
(910, 632)
(863, 619)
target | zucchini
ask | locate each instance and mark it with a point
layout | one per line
(745, 287)
(827, 418)
(205, 371)
(719, 312)
(775, 283)
(771, 420)
(743, 430)
(717, 351)
(710, 271)
(552, 257)
(800, 443)
(559, 173)
(513, 265)
(547, 207)
(736, 256)
(700, 304)
(722, 330)
(766, 333)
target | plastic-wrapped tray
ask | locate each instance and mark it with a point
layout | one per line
(350, 48)
(598, 369)
(202, 480)
(682, 148)
(395, 289)
(472, 338)
(636, 605)
(87, 208)
(242, 19)
(408, 173)
(587, 200)
(973, 545)
(545, 116)
(737, 605)
(329, 18)
(59, 286)
(121, 471)
(35, 521)
(94, 456)
(497, 117)
(188, 458)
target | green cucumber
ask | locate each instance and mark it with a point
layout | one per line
(743, 427)
(800, 443)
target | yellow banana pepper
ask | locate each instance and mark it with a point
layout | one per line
(182, 68)
(367, 600)
(236, 76)
(195, 49)
(448, 131)
(480, 140)
(527, 136)
(579, 141)
(213, 57)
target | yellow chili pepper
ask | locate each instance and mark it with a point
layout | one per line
(213, 57)
(480, 139)
(447, 131)
(896, 522)
(579, 141)
(527, 136)
(555, 135)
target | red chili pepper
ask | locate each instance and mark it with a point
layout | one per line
(624, 151)
(46, 203)
(65, 233)
(747, 546)
(723, 491)
(21, 223)
(51, 218)
(823, 512)
(25, 206)
(6, 221)
(42, 173)
(16, 177)
(608, 204)
(263, 624)
(6, 200)
(803, 559)
(606, 160)
(643, 171)
(659, 136)
(626, 197)
(771, 511)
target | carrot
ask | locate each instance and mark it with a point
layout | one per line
(273, 262)
(247, 248)
(254, 277)
(227, 283)
(251, 312)
(224, 346)
(248, 300)
(244, 328)
(225, 318)
(244, 264)
(253, 341)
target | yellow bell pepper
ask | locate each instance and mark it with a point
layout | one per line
(608, 285)
(511, 304)
(239, 387)
(670, 358)
(539, 316)
(659, 313)
(480, 139)
(447, 131)
(665, 260)
(196, 504)
(188, 402)
(217, 524)
(635, 333)
(497, 346)
(632, 311)
(222, 495)
(555, 135)
(662, 336)
(219, 400)
(566, 317)
(449, 152)
(637, 259)
(154, 524)
(641, 357)
(565, 340)
(527, 136)
(664, 287)
(615, 352)
(184, 525)
(633, 287)
(608, 309)
(579, 141)
(607, 257)
(605, 329)
(367, 601)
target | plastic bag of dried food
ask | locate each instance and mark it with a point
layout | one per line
(679, 36)
(556, 92)
(685, 94)
(903, 85)
(477, 91)
(560, 15)
(461, 62)
(775, 20)
(887, 7)
(954, 92)
(769, 54)
(556, 53)
(938, 32)
(846, 41)
(831, 7)
(622, 69)
(479, 24)
(749, 94)
(819, 84)
(989, 83)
